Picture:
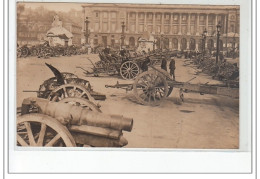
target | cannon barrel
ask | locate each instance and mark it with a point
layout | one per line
(76, 115)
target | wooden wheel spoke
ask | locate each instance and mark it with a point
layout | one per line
(53, 141)
(30, 134)
(21, 141)
(82, 94)
(65, 92)
(41, 135)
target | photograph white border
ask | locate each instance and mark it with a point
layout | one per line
(78, 160)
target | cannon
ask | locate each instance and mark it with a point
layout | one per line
(151, 87)
(66, 85)
(45, 123)
(127, 65)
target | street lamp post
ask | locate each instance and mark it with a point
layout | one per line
(218, 35)
(162, 42)
(123, 35)
(86, 30)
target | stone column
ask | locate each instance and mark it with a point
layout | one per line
(108, 23)
(154, 23)
(188, 32)
(136, 22)
(188, 44)
(216, 23)
(180, 16)
(128, 22)
(207, 21)
(118, 23)
(224, 25)
(171, 18)
(197, 25)
(179, 45)
(100, 22)
(162, 25)
(145, 23)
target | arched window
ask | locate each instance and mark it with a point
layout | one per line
(192, 44)
(175, 43)
(132, 42)
(183, 44)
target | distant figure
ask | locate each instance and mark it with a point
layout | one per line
(145, 64)
(164, 63)
(172, 68)
(107, 50)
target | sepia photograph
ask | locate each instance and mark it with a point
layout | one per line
(127, 75)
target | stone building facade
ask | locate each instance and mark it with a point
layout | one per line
(176, 26)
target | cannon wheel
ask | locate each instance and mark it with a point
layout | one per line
(25, 52)
(129, 70)
(34, 52)
(81, 102)
(70, 90)
(168, 77)
(150, 88)
(41, 130)
(19, 52)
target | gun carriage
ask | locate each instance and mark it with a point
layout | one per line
(128, 66)
(45, 123)
(67, 85)
(152, 86)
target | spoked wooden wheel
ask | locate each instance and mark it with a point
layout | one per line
(70, 90)
(81, 102)
(168, 77)
(150, 88)
(129, 70)
(36, 130)
(170, 88)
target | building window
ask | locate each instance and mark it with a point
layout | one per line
(232, 28)
(105, 15)
(97, 14)
(192, 30)
(210, 30)
(184, 18)
(158, 29)
(158, 16)
(113, 14)
(167, 16)
(201, 29)
(184, 29)
(141, 28)
(97, 26)
(150, 16)
(132, 15)
(113, 26)
(167, 29)
(175, 19)
(141, 15)
(202, 20)
(211, 20)
(150, 28)
(175, 29)
(132, 27)
(104, 26)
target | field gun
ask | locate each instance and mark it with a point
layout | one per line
(47, 123)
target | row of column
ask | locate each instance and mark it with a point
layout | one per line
(171, 24)
(117, 20)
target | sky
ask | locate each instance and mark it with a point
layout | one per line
(55, 6)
